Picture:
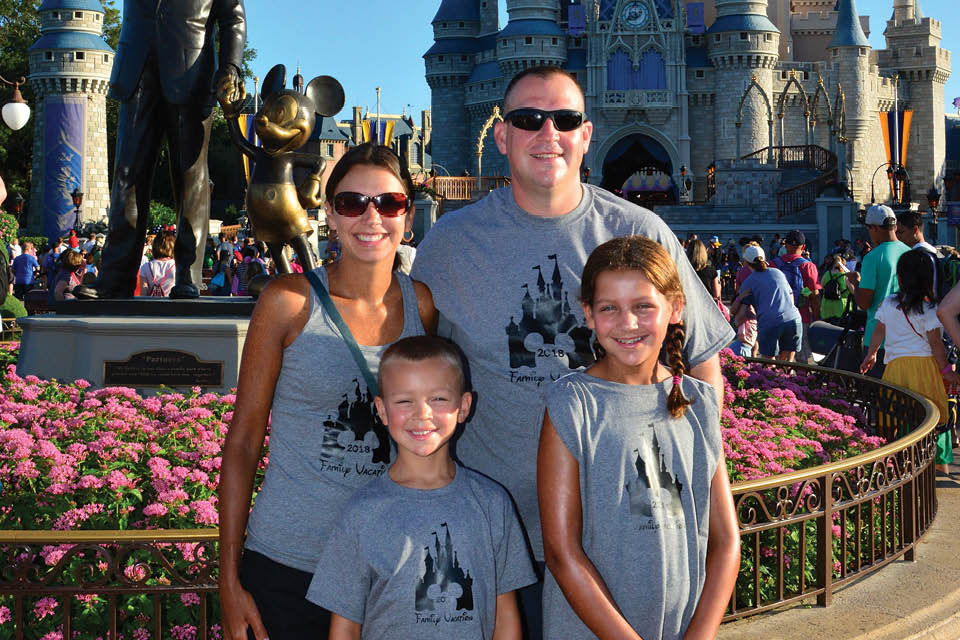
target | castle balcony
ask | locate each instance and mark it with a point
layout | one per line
(637, 99)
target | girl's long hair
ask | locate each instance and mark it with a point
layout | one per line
(915, 275)
(637, 253)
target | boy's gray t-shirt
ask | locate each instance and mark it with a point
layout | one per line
(325, 438)
(645, 497)
(409, 563)
(507, 285)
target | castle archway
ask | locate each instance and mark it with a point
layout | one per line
(641, 168)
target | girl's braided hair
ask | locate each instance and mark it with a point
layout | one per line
(637, 253)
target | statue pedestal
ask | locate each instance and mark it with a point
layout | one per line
(140, 350)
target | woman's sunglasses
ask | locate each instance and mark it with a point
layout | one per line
(352, 204)
(533, 119)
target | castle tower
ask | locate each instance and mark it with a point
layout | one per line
(913, 50)
(448, 64)
(742, 43)
(69, 72)
(532, 37)
(850, 50)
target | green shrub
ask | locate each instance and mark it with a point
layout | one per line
(161, 214)
(40, 242)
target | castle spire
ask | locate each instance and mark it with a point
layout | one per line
(849, 33)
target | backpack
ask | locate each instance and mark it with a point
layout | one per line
(794, 277)
(832, 289)
(943, 278)
(156, 286)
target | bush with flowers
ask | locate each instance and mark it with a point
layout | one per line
(73, 457)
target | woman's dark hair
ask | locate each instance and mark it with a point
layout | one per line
(637, 253)
(373, 155)
(915, 274)
(163, 245)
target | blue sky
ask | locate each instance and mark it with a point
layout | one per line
(371, 43)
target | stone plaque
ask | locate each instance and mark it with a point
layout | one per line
(169, 368)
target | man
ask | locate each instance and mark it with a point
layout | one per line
(25, 267)
(910, 232)
(792, 259)
(90, 244)
(877, 277)
(163, 76)
(505, 275)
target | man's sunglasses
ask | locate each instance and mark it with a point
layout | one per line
(533, 119)
(352, 204)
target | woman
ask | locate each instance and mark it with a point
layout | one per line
(69, 274)
(778, 319)
(697, 254)
(300, 371)
(157, 276)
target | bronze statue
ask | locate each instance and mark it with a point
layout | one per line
(165, 74)
(275, 205)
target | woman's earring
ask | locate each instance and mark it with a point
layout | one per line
(408, 235)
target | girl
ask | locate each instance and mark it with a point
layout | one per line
(157, 276)
(312, 342)
(778, 320)
(69, 275)
(639, 529)
(914, 352)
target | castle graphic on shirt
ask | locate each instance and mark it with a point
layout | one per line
(444, 586)
(547, 328)
(355, 429)
(656, 490)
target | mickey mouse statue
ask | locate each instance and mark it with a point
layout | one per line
(275, 205)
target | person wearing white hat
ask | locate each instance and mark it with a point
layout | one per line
(778, 319)
(877, 277)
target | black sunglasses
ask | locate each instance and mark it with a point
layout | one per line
(352, 204)
(533, 119)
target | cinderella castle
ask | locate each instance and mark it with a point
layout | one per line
(756, 99)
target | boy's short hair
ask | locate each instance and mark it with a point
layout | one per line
(419, 348)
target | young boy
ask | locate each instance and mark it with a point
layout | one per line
(429, 550)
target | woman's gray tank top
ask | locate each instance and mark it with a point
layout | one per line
(325, 439)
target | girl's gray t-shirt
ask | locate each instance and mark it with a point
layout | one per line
(326, 440)
(645, 496)
(409, 563)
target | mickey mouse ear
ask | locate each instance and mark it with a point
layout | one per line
(276, 78)
(326, 94)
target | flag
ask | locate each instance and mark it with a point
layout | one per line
(576, 20)
(370, 133)
(247, 129)
(896, 134)
(695, 18)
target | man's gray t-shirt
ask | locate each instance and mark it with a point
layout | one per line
(410, 563)
(507, 285)
(326, 440)
(645, 498)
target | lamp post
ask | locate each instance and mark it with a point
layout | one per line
(933, 199)
(686, 184)
(17, 111)
(77, 196)
(899, 180)
(17, 206)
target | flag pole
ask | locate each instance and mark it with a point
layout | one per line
(378, 116)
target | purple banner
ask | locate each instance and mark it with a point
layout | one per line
(64, 133)
(576, 20)
(695, 18)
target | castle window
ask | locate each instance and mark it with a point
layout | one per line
(699, 73)
(503, 43)
(577, 42)
(622, 76)
(481, 85)
(415, 153)
(494, 84)
(483, 4)
(917, 52)
(463, 58)
(553, 41)
(744, 36)
(106, 57)
(330, 150)
(783, 75)
(716, 37)
(56, 15)
(461, 25)
(443, 25)
(768, 37)
(528, 40)
(695, 40)
(806, 75)
(863, 51)
(78, 15)
(439, 58)
(96, 17)
(79, 55)
(48, 55)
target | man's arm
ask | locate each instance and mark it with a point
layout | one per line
(709, 371)
(863, 297)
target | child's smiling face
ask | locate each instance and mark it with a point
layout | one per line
(421, 403)
(630, 318)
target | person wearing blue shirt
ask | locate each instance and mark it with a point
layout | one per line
(24, 269)
(778, 319)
